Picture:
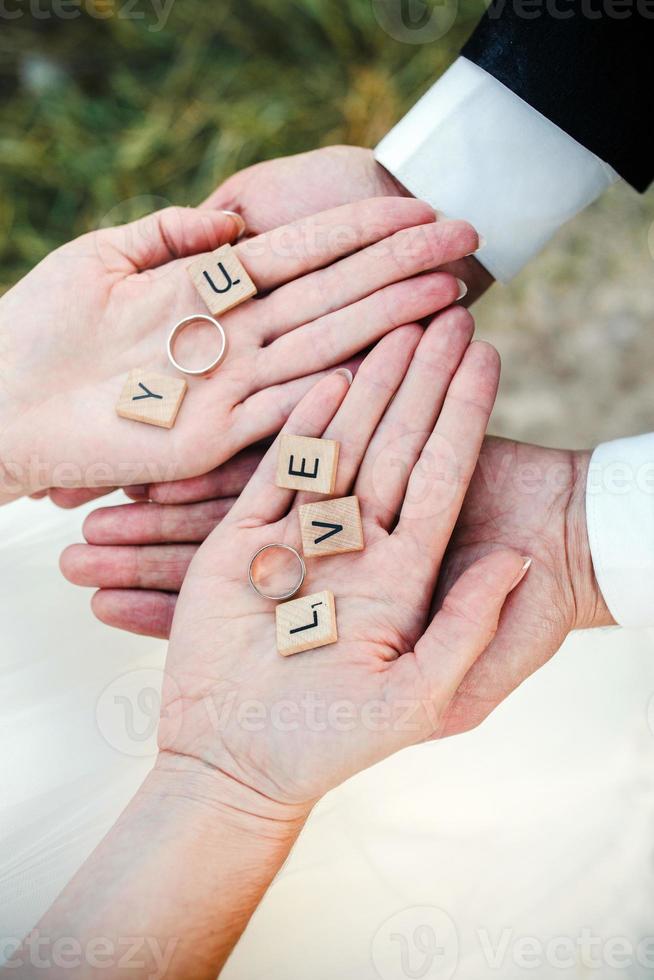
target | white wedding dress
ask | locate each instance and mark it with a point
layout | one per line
(521, 849)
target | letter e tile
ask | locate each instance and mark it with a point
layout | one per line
(307, 464)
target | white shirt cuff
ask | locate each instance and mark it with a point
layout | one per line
(620, 518)
(475, 150)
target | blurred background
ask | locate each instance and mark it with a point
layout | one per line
(111, 108)
(539, 824)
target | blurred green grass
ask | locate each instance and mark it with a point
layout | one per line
(103, 114)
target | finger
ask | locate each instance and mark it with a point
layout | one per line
(407, 253)
(339, 335)
(281, 255)
(145, 613)
(374, 386)
(127, 567)
(409, 421)
(155, 523)
(261, 500)
(227, 480)
(460, 632)
(264, 413)
(166, 235)
(67, 499)
(440, 478)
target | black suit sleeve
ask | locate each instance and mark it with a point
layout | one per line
(584, 68)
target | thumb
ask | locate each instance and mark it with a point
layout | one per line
(464, 626)
(174, 233)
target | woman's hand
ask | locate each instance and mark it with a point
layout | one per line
(291, 729)
(103, 305)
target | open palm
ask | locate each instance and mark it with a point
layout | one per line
(322, 715)
(103, 305)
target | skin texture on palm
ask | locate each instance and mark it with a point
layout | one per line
(520, 496)
(330, 285)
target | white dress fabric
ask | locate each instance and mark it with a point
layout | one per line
(521, 849)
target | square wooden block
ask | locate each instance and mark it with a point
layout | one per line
(307, 464)
(306, 623)
(221, 280)
(331, 527)
(151, 398)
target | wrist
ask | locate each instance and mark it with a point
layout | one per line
(590, 609)
(230, 807)
(469, 269)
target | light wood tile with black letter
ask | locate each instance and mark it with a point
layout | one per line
(306, 623)
(331, 527)
(221, 280)
(305, 463)
(151, 398)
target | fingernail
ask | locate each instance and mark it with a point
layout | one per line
(440, 215)
(463, 289)
(346, 374)
(523, 571)
(138, 492)
(482, 242)
(238, 220)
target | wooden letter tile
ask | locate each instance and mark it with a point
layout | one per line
(221, 280)
(151, 398)
(306, 623)
(331, 527)
(307, 464)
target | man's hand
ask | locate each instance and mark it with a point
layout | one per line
(535, 499)
(275, 192)
(522, 496)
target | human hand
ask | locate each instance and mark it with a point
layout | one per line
(409, 447)
(274, 192)
(520, 495)
(402, 453)
(534, 499)
(68, 348)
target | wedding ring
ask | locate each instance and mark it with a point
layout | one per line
(284, 595)
(177, 329)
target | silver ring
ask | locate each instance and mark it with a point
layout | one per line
(284, 595)
(177, 329)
